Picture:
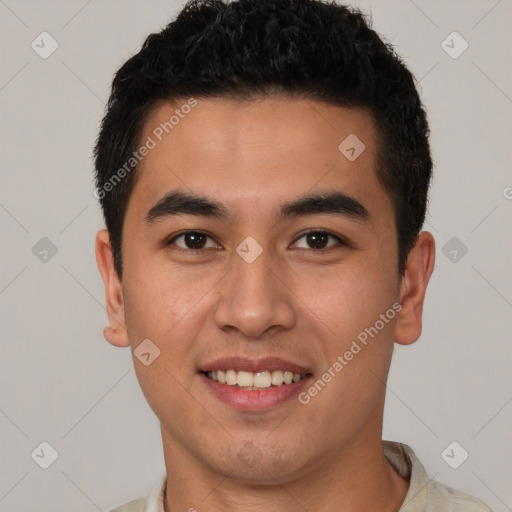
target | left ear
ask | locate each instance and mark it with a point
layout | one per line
(419, 267)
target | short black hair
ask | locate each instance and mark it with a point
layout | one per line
(250, 49)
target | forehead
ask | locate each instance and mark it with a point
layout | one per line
(252, 154)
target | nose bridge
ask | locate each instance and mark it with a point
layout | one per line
(252, 270)
(253, 298)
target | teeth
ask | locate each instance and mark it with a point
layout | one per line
(258, 380)
(262, 380)
(245, 379)
(277, 377)
(231, 377)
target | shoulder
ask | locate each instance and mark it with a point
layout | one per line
(424, 493)
(132, 506)
(442, 497)
(154, 502)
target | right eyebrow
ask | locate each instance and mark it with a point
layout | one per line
(175, 203)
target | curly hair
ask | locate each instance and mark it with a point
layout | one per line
(248, 49)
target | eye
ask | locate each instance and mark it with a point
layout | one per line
(319, 240)
(314, 239)
(193, 241)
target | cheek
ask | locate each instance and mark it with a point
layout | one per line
(158, 301)
(357, 309)
(347, 299)
(165, 311)
(169, 308)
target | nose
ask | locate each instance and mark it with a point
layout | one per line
(254, 298)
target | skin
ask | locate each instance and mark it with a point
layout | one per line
(294, 302)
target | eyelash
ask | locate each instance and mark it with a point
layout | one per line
(342, 241)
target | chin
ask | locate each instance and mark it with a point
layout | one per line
(258, 464)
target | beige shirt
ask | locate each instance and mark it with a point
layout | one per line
(424, 495)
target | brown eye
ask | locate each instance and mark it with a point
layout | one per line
(192, 240)
(317, 240)
(320, 239)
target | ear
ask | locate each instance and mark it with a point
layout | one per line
(116, 333)
(419, 267)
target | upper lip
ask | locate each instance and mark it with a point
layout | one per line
(253, 365)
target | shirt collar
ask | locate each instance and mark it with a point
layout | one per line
(408, 466)
(155, 500)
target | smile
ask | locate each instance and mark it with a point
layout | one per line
(250, 384)
(254, 380)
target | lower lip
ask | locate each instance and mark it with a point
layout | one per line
(253, 399)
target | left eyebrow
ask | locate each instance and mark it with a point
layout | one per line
(329, 202)
(176, 203)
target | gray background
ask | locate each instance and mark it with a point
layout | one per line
(60, 382)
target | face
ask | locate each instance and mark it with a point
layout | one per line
(285, 260)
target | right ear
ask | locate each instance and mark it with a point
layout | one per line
(116, 333)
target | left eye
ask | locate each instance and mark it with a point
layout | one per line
(319, 240)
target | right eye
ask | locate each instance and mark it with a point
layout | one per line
(192, 241)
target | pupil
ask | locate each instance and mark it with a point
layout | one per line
(195, 240)
(316, 240)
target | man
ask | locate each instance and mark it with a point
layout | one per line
(263, 168)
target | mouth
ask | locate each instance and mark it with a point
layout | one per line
(248, 384)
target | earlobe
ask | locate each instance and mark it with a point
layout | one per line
(115, 337)
(116, 332)
(420, 264)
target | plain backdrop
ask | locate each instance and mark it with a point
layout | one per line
(63, 384)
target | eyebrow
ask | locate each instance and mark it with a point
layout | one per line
(177, 203)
